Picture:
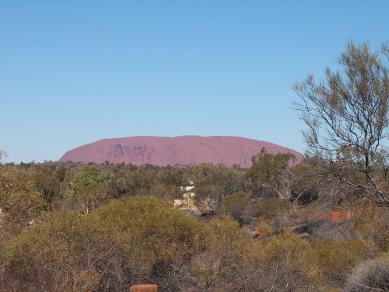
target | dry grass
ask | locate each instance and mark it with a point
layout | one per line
(372, 275)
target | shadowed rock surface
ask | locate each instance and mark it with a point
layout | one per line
(183, 150)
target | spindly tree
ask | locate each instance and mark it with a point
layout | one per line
(347, 117)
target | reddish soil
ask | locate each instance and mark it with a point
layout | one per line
(183, 150)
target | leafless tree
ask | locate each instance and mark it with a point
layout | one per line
(347, 117)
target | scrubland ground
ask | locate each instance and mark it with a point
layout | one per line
(105, 227)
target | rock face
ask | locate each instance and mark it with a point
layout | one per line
(183, 150)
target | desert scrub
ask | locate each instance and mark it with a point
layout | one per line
(272, 207)
(337, 259)
(122, 242)
(372, 275)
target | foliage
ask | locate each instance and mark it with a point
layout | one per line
(372, 223)
(64, 253)
(48, 184)
(236, 205)
(19, 198)
(229, 264)
(86, 184)
(337, 259)
(305, 182)
(271, 173)
(270, 208)
(140, 238)
(216, 181)
(120, 243)
(168, 233)
(288, 263)
(235, 262)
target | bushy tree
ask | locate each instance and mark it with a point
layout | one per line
(87, 185)
(271, 173)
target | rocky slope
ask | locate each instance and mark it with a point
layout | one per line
(183, 150)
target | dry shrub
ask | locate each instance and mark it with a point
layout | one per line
(124, 242)
(20, 200)
(237, 263)
(275, 211)
(288, 265)
(262, 229)
(373, 225)
(235, 205)
(337, 259)
(272, 207)
(372, 275)
(231, 262)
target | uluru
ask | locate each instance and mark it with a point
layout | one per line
(182, 150)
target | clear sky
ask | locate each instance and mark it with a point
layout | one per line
(76, 71)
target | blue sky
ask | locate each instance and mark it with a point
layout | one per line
(73, 72)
